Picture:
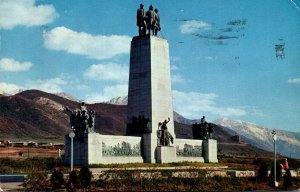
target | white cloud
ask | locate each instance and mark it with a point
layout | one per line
(49, 85)
(193, 26)
(295, 81)
(9, 88)
(194, 104)
(24, 13)
(176, 78)
(107, 71)
(92, 46)
(108, 93)
(8, 64)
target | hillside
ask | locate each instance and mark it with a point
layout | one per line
(36, 115)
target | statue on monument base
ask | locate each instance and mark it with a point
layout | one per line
(138, 125)
(81, 120)
(141, 20)
(163, 135)
(203, 130)
(148, 21)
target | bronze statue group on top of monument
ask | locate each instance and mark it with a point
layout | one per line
(148, 21)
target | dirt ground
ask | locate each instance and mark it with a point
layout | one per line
(25, 152)
(12, 186)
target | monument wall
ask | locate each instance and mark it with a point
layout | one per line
(189, 150)
(94, 148)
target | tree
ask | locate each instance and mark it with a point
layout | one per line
(57, 179)
(85, 176)
(263, 171)
(73, 181)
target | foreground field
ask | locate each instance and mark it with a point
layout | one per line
(27, 152)
(129, 177)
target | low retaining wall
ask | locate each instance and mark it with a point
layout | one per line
(171, 172)
(94, 148)
(189, 150)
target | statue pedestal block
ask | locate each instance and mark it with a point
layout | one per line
(210, 151)
(165, 154)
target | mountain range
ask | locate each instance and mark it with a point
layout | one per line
(288, 143)
(36, 115)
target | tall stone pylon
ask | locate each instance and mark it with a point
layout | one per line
(149, 93)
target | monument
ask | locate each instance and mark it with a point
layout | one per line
(150, 124)
(149, 94)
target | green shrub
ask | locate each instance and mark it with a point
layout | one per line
(73, 182)
(37, 181)
(263, 171)
(85, 177)
(57, 179)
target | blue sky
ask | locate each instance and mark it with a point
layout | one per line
(223, 57)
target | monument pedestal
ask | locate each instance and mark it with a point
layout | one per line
(165, 154)
(80, 150)
(210, 151)
(94, 148)
(149, 93)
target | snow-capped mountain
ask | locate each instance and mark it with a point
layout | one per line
(67, 96)
(121, 100)
(288, 143)
(10, 93)
(180, 119)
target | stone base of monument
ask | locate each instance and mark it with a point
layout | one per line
(190, 159)
(210, 151)
(165, 154)
(80, 150)
(94, 148)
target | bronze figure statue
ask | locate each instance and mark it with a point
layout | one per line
(202, 130)
(156, 22)
(149, 21)
(138, 125)
(141, 20)
(163, 135)
(81, 120)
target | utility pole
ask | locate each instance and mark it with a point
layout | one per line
(72, 135)
(274, 139)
